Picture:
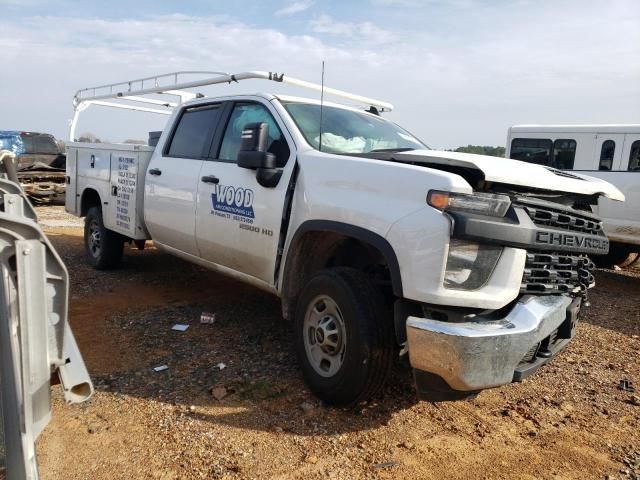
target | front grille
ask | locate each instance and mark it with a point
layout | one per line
(548, 215)
(555, 273)
(558, 272)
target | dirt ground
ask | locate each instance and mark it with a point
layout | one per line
(568, 421)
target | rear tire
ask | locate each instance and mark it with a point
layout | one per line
(343, 336)
(104, 248)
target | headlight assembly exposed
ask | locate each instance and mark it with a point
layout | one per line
(478, 202)
(470, 264)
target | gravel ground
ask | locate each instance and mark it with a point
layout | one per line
(253, 418)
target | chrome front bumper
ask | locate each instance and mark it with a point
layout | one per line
(483, 353)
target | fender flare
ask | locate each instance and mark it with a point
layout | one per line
(359, 233)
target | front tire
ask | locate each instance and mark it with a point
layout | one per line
(104, 248)
(343, 336)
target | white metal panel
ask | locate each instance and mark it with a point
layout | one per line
(70, 194)
(389, 199)
(94, 163)
(170, 201)
(603, 128)
(125, 210)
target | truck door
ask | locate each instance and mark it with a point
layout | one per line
(238, 222)
(173, 176)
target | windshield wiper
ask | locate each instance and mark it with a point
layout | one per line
(392, 150)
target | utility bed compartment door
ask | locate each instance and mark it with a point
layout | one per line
(71, 202)
(94, 164)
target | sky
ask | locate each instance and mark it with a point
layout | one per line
(458, 72)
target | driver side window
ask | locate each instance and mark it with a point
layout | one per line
(244, 113)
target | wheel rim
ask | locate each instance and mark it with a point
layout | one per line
(94, 242)
(325, 339)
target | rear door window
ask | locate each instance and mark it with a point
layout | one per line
(194, 132)
(607, 153)
(532, 150)
(634, 157)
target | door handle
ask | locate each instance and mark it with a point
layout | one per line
(155, 171)
(210, 179)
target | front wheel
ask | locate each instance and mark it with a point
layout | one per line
(343, 336)
(104, 248)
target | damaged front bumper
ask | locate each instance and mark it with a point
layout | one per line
(453, 359)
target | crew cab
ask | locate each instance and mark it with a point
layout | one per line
(376, 245)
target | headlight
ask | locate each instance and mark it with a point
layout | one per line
(470, 264)
(481, 203)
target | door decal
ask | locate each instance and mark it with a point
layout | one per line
(227, 200)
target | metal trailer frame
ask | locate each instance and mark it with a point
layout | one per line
(35, 338)
(130, 95)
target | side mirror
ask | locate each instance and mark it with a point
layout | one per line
(253, 148)
(253, 154)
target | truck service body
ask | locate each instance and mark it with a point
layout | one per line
(375, 244)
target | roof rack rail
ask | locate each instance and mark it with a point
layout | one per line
(127, 94)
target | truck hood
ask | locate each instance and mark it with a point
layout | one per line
(513, 172)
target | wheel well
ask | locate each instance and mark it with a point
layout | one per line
(314, 250)
(90, 198)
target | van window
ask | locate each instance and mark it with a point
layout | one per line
(194, 132)
(532, 150)
(606, 155)
(564, 153)
(634, 157)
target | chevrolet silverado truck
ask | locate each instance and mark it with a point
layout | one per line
(377, 246)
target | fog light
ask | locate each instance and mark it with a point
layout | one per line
(470, 264)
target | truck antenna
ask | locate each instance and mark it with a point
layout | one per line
(321, 105)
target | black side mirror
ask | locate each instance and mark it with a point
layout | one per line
(253, 154)
(253, 148)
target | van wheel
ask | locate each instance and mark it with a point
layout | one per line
(343, 336)
(619, 254)
(104, 248)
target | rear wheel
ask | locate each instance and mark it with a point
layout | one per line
(104, 248)
(343, 336)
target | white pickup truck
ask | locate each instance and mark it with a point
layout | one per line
(376, 245)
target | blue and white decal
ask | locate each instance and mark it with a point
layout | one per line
(233, 200)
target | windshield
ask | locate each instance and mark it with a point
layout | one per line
(347, 131)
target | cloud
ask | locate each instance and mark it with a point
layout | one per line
(295, 7)
(463, 78)
(366, 31)
(398, 3)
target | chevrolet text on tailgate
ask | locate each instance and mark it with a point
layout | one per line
(475, 267)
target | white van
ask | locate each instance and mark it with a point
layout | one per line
(610, 152)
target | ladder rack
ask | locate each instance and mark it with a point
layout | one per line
(130, 94)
